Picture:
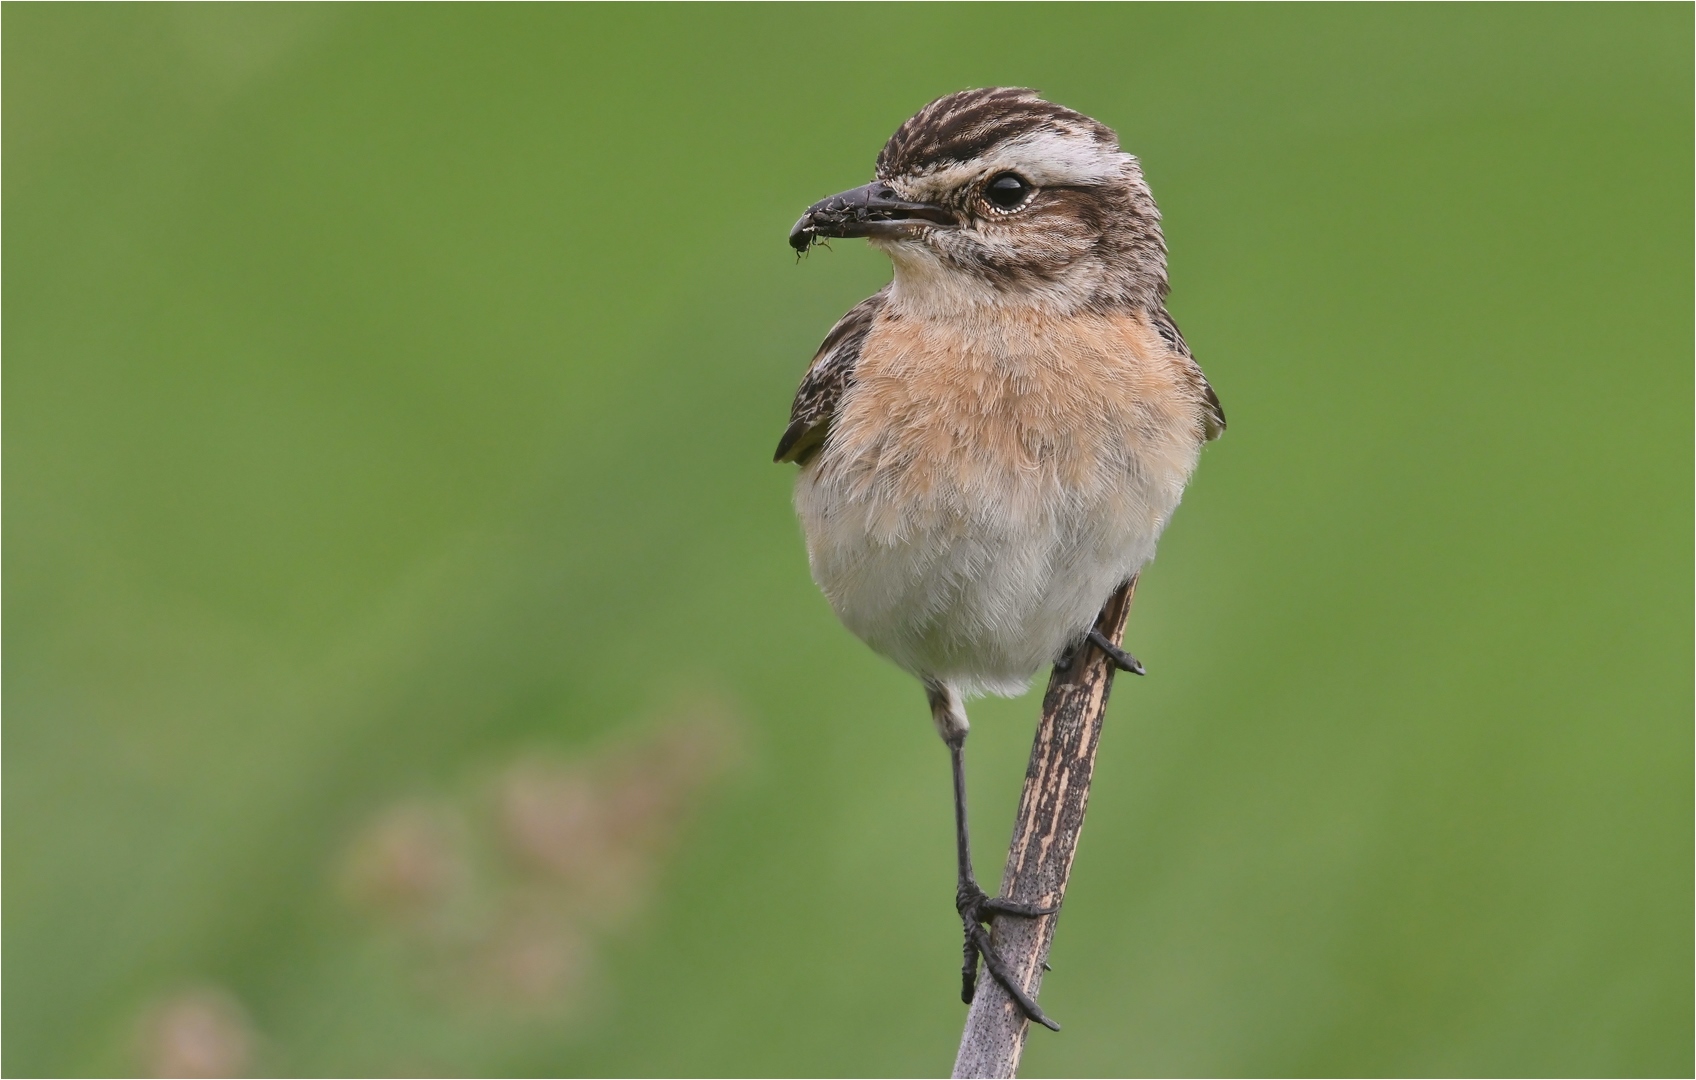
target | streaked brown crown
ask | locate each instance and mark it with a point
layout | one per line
(962, 126)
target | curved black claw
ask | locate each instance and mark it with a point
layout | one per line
(1121, 659)
(976, 910)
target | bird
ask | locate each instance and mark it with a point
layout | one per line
(991, 444)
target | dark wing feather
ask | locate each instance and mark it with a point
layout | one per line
(831, 373)
(1213, 416)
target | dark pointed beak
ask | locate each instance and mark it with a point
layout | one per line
(875, 209)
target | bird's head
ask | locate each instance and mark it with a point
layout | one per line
(998, 197)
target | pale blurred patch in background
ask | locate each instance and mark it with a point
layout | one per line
(197, 1032)
(412, 666)
(498, 900)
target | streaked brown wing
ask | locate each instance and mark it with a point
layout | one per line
(1213, 415)
(831, 373)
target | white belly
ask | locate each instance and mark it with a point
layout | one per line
(985, 585)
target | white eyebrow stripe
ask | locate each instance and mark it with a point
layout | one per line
(1042, 157)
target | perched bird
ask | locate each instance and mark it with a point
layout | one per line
(991, 445)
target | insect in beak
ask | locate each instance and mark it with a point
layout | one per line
(874, 209)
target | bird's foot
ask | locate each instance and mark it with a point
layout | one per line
(976, 909)
(1123, 660)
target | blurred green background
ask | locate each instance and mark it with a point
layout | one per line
(411, 661)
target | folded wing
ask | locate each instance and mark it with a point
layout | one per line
(831, 373)
(1213, 413)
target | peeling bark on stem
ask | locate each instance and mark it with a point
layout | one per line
(1045, 837)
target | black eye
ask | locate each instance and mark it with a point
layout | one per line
(1007, 190)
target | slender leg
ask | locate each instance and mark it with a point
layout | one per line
(1122, 659)
(976, 908)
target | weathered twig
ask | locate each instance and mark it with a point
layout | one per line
(1045, 837)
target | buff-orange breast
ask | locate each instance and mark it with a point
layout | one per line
(987, 483)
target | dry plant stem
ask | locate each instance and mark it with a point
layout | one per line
(1045, 837)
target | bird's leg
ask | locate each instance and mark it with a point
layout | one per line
(1123, 660)
(1064, 663)
(977, 908)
